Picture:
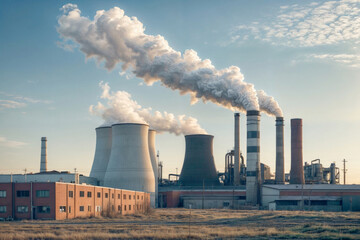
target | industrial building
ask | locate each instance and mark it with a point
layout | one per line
(55, 200)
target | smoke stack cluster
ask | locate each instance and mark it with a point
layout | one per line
(199, 166)
(297, 169)
(237, 150)
(253, 157)
(280, 168)
(43, 159)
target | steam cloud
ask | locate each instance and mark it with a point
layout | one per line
(115, 38)
(122, 109)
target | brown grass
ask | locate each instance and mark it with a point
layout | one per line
(204, 224)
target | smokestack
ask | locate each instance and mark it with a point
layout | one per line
(280, 171)
(297, 169)
(154, 162)
(43, 160)
(253, 157)
(129, 165)
(102, 153)
(199, 166)
(237, 150)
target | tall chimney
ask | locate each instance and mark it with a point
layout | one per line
(253, 157)
(154, 161)
(237, 150)
(297, 169)
(43, 160)
(280, 171)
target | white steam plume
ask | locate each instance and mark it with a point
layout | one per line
(115, 38)
(268, 104)
(122, 109)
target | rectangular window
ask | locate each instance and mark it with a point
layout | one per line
(138, 197)
(106, 195)
(2, 193)
(69, 209)
(82, 193)
(22, 209)
(22, 193)
(81, 208)
(112, 196)
(62, 209)
(99, 195)
(129, 207)
(119, 208)
(124, 207)
(43, 209)
(142, 197)
(89, 208)
(2, 209)
(130, 197)
(124, 196)
(71, 194)
(118, 196)
(98, 208)
(42, 193)
(88, 194)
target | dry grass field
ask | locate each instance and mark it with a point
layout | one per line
(201, 224)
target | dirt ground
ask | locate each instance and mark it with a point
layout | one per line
(194, 224)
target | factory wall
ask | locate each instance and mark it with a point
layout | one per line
(66, 201)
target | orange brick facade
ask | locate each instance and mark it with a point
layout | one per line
(65, 201)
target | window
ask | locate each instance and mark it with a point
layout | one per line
(82, 194)
(22, 193)
(124, 196)
(119, 208)
(112, 195)
(130, 197)
(2, 193)
(81, 208)
(124, 207)
(43, 209)
(62, 209)
(89, 194)
(226, 204)
(2, 209)
(69, 209)
(106, 195)
(22, 209)
(99, 195)
(89, 208)
(71, 194)
(129, 207)
(142, 197)
(42, 193)
(138, 197)
(98, 208)
(118, 196)
(112, 207)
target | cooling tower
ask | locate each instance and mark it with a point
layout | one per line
(199, 167)
(154, 162)
(129, 164)
(43, 159)
(102, 153)
(253, 157)
(280, 171)
(237, 150)
(297, 170)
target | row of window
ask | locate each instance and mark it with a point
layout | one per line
(25, 209)
(46, 193)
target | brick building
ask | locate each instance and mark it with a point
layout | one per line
(56, 200)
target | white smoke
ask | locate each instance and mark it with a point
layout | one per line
(122, 109)
(115, 38)
(268, 104)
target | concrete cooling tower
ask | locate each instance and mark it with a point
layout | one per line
(130, 165)
(199, 167)
(102, 153)
(154, 162)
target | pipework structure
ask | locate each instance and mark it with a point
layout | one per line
(297, 170)
(253, 158)
(280, 168)
(43, 158)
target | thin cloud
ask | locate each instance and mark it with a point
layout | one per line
(11, 104)
(314, 24)
(350, 60)
(4, 142)
(16, 101)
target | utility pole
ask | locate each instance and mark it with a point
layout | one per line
(345, 170)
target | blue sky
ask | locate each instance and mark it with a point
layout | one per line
(304, 54)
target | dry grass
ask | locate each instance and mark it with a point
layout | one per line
(204, 224)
